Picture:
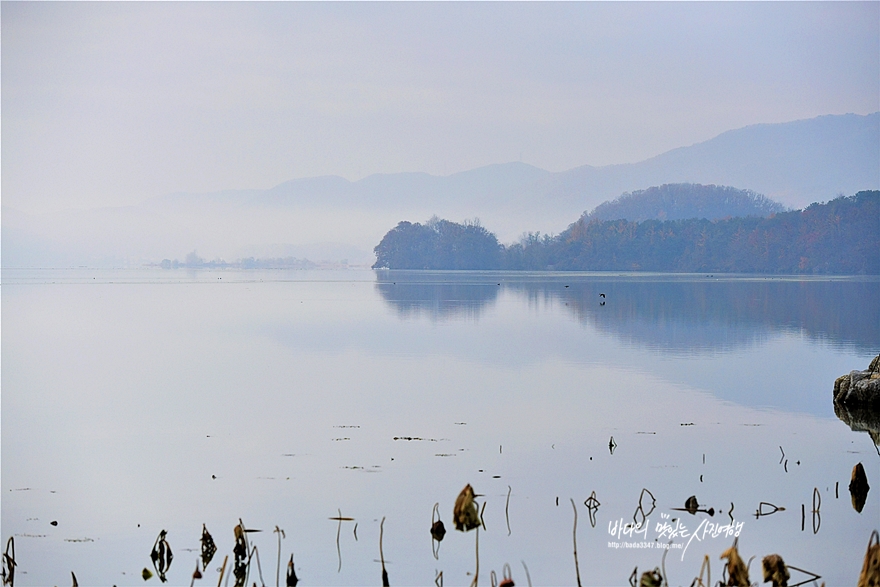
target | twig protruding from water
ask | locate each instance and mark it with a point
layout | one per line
(222, 570)
(698, 581)
(577, 569)
(438, 530)
(382, 554)
(8, 572)
(528, 577)
(292, 579)
(506, 509)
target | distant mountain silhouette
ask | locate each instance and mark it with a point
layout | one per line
(793, 163)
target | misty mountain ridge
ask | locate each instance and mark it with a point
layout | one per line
(490, 182)
(681, 201)
(793, 163)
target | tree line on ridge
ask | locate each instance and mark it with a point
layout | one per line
(841, 236)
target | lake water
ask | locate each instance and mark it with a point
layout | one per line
(140, 400)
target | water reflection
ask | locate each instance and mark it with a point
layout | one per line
(675, 314)
(161, 556)
(140, 386)
(860, 419)
(208, 547)
(417, 293)
(856, 400)
(694, 316)
(858, 487)
(7, 574)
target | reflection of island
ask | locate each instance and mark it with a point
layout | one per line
(668, 313)
(682, 314)
(438, 295)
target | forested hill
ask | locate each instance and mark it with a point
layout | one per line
(838, 237)
(679, 201)
(439, 244)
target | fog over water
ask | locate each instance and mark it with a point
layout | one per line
(340, 405)
(142, 400)
(112, 104)
(134, 132)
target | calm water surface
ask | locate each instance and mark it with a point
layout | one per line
(141, 400)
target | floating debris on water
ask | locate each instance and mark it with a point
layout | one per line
(651, 578)
(858, 487)
(291, 579)
(438, 529)
(161, 555)
(506, 577)
(197, 574)
(8, 571)
(465, 513)
(766, 508)
(692, 507)
(592, 507)
(811, 577)
(208, 547)
(240, 554)
(775, 571)
(640, 509)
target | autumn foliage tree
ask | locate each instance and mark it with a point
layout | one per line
(841, 236)
(438, 244)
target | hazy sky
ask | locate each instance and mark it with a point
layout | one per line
(111, 103)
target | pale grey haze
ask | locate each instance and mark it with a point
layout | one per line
(330, 218)
(523, 114)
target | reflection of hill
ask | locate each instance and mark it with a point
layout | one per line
(709, 315)
(668, 313)
(437, 294)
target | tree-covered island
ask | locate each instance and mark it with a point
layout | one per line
(841, 236)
